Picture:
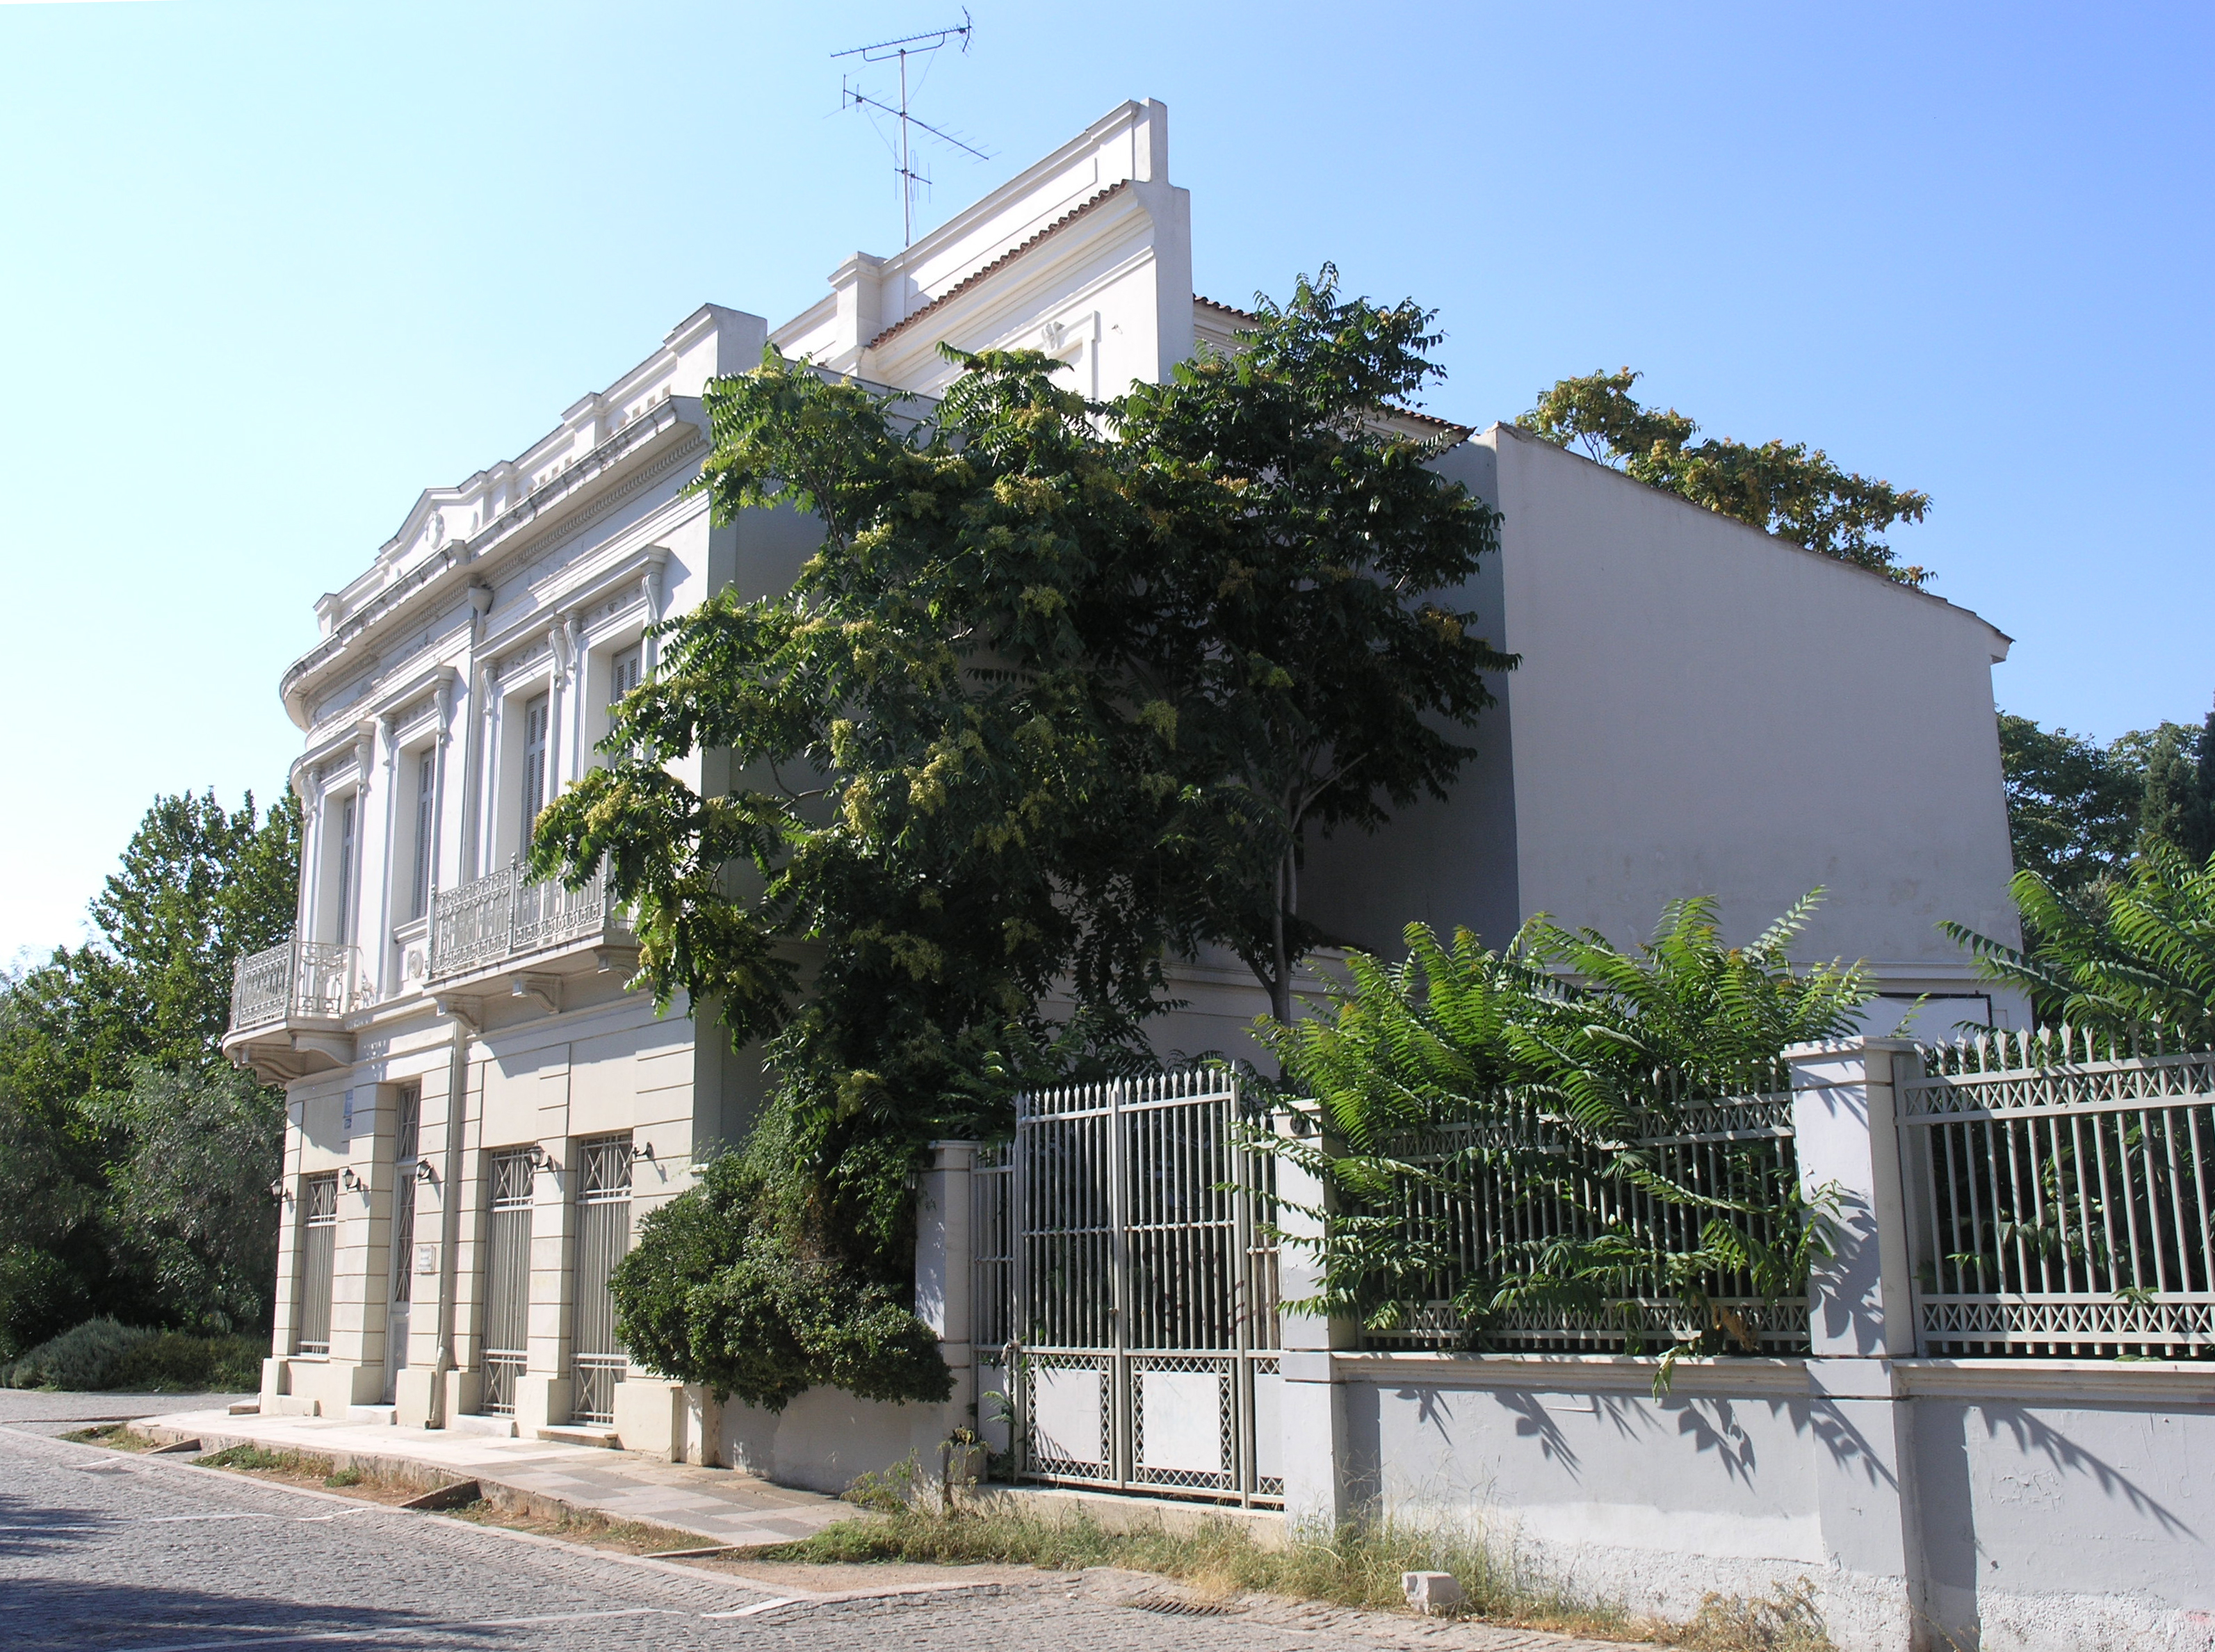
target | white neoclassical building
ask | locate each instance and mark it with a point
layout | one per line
(479, 1106)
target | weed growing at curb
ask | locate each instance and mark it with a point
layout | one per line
(580, 1525)
(116, 1436)
(1358, 1565)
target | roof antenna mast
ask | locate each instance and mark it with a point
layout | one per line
(852, 96)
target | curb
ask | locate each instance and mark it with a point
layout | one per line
(789, 1595)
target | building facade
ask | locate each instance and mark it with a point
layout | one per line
(481, 1108)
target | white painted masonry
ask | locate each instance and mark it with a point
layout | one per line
(1700, 710)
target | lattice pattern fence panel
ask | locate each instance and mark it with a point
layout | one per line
(1489, 1197)
(2058, 1195)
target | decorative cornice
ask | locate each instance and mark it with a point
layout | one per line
(441, 577)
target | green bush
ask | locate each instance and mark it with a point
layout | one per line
(717, 1291)
(87, 1356)
(103, 1353)
(175, 1362)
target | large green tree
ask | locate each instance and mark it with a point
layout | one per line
(1059, 695)
(1305, 637)
(2078, 810)
(1779, 487)
(113, 1091)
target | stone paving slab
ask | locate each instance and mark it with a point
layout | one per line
(717, 1505)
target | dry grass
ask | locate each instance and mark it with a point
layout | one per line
(116, 1436)
(319, 1473)
(1360, 1565)
(581, 1525)
(1357, 1565)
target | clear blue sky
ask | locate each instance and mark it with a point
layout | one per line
(268, 270)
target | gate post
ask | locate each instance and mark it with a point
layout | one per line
(944, 1245)
(1312, 1411)
(1861, 1320)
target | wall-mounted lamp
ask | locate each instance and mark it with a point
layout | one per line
(279, 1193)
(645, 1151)
(425, 1174)
(540, 1158)
(352, 1182)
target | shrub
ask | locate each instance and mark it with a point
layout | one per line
(103, 1353)
(86, 1357)
(173, 1362)
(717, 1292)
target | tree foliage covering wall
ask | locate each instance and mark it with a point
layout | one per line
(1065, 690)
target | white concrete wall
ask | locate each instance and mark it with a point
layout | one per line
(1700, 710)
(2048, 1522)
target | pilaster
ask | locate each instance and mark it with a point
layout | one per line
(1312, 1407)
(1861, 1311)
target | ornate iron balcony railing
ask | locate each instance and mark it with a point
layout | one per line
(507, 915)
(303, 980)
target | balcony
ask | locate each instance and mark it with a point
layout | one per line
(288, 1005)
(530, 933)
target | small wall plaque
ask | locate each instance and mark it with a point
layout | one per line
(427, 1258)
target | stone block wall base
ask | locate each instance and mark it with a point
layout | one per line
(413, 1394)
(650, 1416)
(540, 1402)
(464, 1392)
(336, 1386)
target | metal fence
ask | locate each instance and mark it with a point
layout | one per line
(1126, 1290)
(1538, 1182)
(304, 980)
(2056, 1185)
(507, 915)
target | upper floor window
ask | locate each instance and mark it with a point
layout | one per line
(349, 813)
(535, 726)
(426, 796)
(625, 671)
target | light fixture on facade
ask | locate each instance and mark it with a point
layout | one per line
(645, 1151)
(424, 1173)
(540, 1158)
(352, 1182)
(279, 1193)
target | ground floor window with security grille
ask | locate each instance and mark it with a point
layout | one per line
(319, 1233)
(507, 1281)
(603, 1236)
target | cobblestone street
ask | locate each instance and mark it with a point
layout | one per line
(103, 1552)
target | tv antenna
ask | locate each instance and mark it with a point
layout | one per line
(852, 96)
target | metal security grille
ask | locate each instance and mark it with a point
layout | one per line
(507, 1281)
(603, 1236)
(319, 1232)
(405, 1140)
(1126, 1291)
(2060, 1189)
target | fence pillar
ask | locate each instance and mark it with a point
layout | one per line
(1861, 1318)
(944, 1245)
(1312, 1410)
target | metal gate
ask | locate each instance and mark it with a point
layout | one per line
(1125, 1290)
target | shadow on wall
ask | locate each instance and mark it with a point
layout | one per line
(1992, 1480)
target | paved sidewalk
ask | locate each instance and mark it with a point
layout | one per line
(718, 1505)
(80, 1405)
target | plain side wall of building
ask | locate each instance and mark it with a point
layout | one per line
(1701, 708)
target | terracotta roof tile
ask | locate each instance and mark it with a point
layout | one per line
(1001, 262)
